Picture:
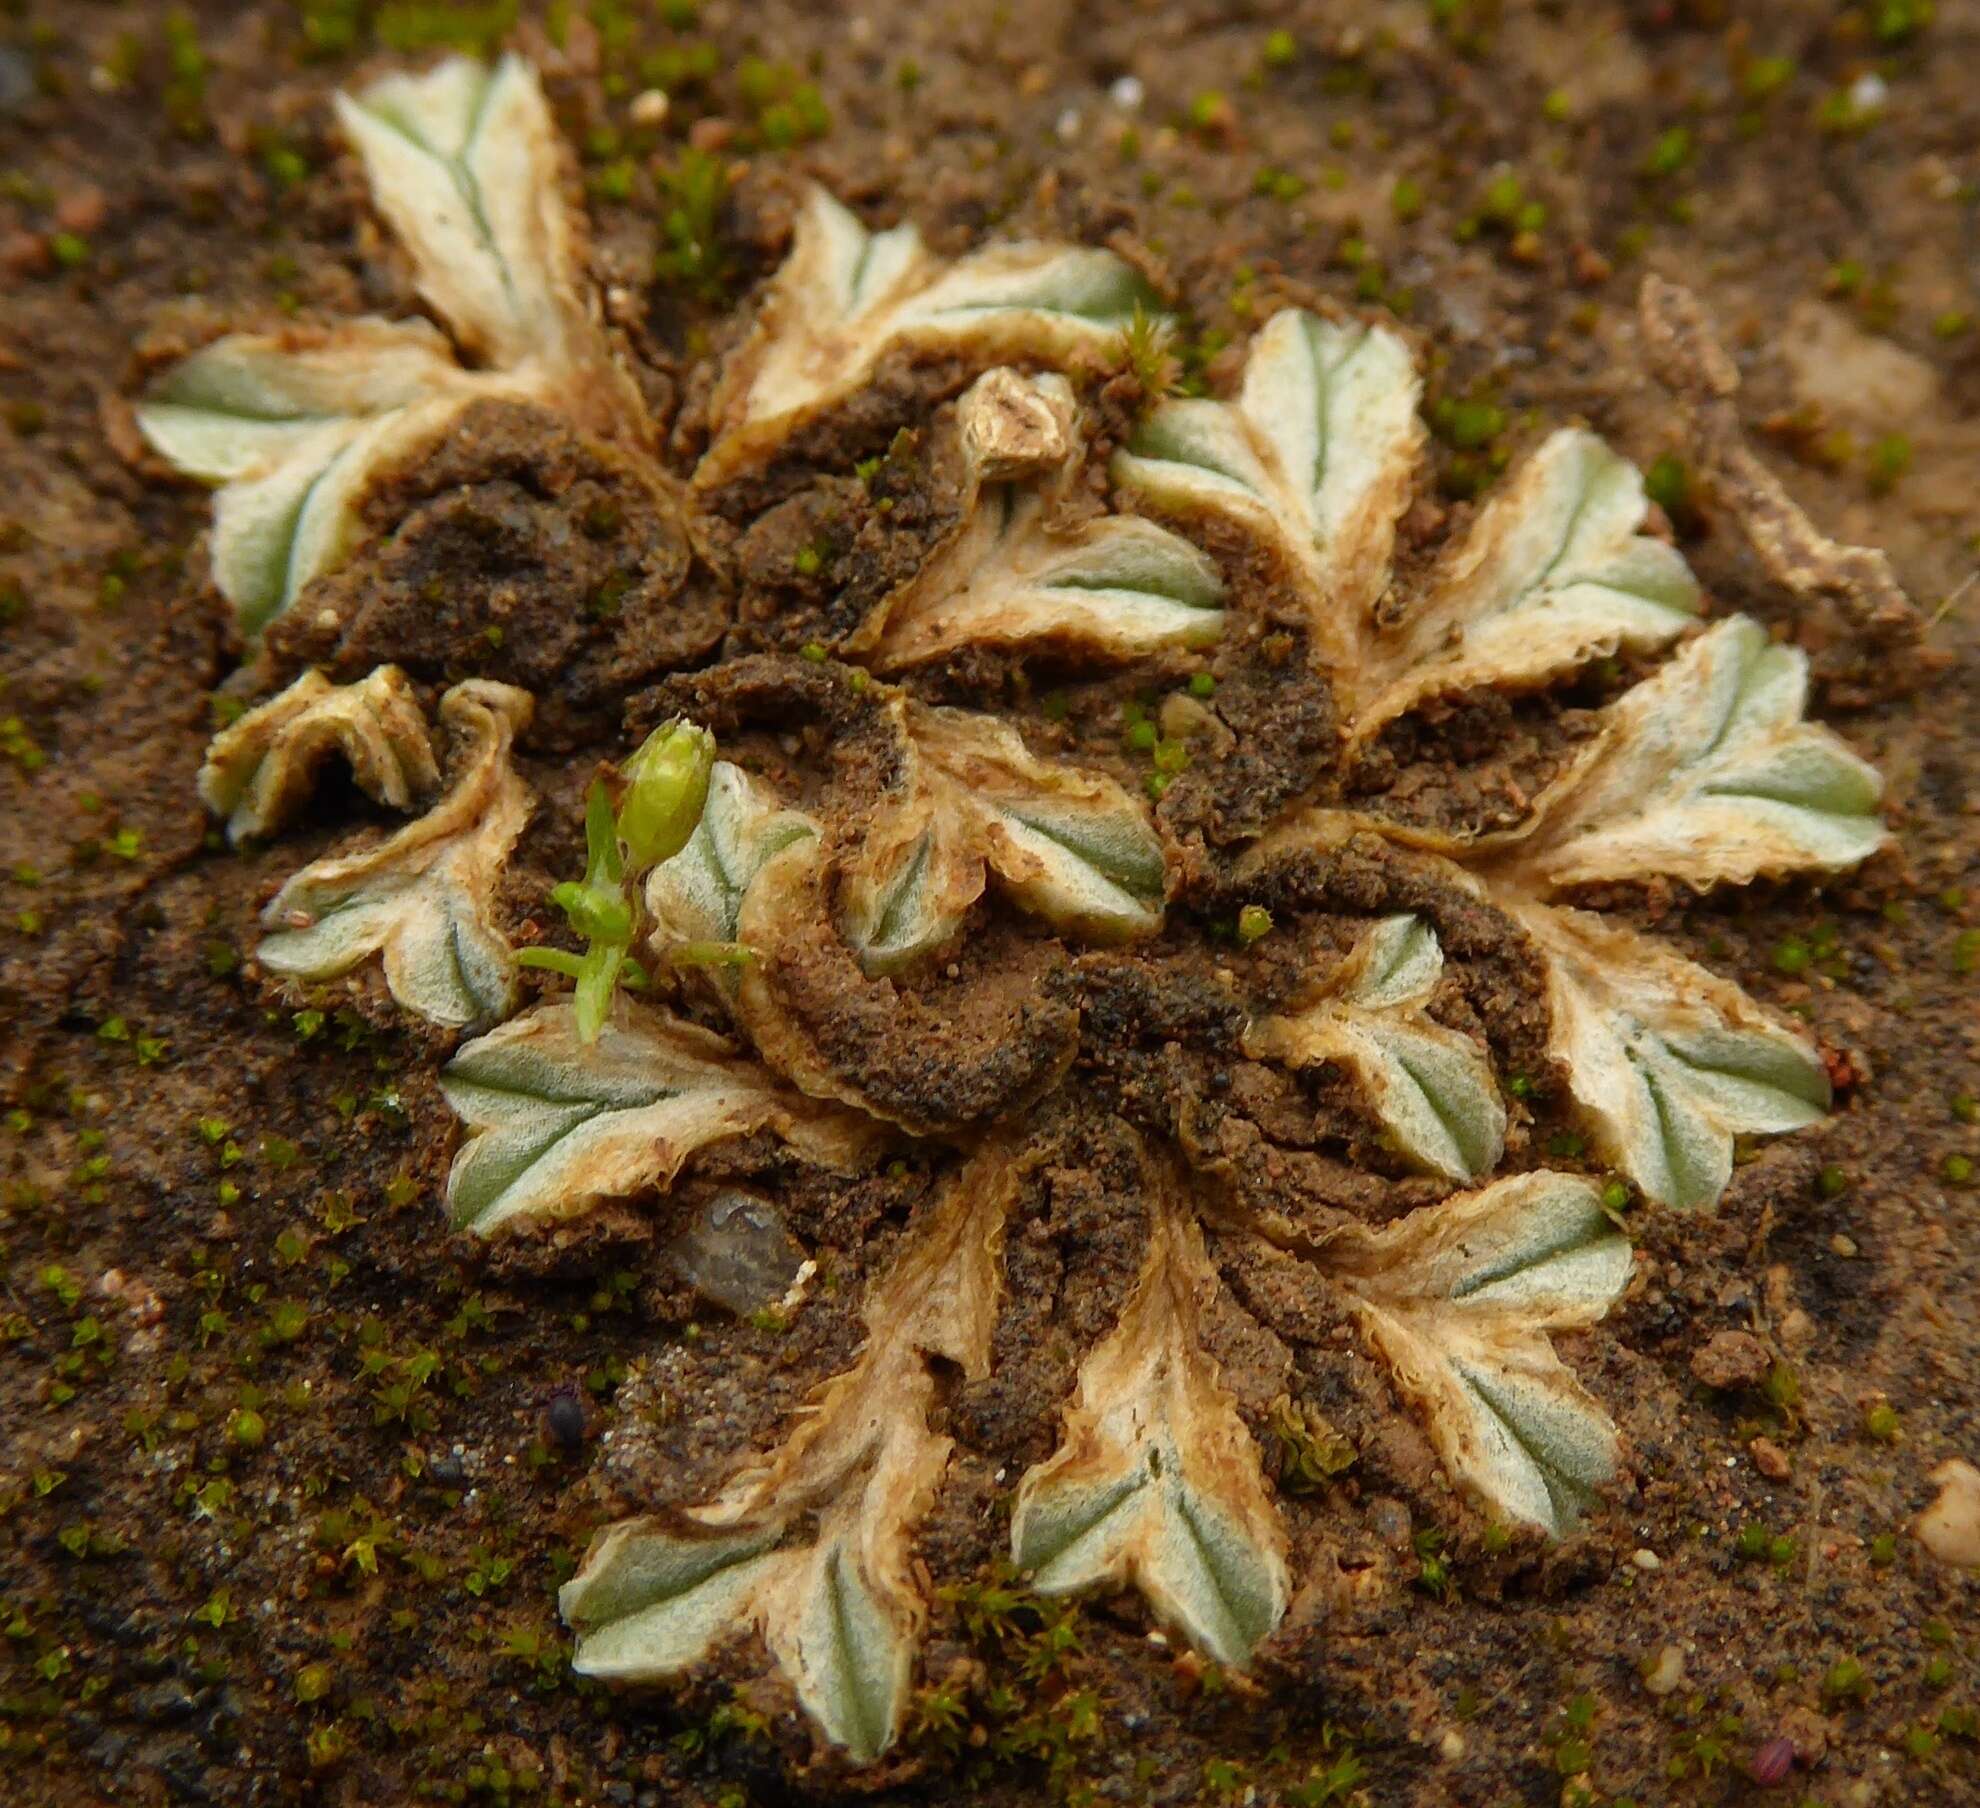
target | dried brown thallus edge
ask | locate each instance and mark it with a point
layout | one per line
(1855, 582)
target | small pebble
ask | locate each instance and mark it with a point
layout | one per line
(648, 108)
(1772, 1763)
(1732, 1359)
(1127, 93)
(1950, 1527)
(1666, 1675)
(564, 1420)
(1770, 1459)
(25, 253)
(1842, 1245)
(84, 211)
(1389, 1520)
(735, 1250)
(1646, 1560)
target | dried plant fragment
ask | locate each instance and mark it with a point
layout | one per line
(1690, 362)
(1460, 1298)
(1157, 1483)
(1706, 772)
(841, 1609)
(296, 427)
(260, 769)
(1554, 572)
(1317, 455)
(558, 1123)
(1069, 845)
(697, 895)
(467, 165)
(1116, 586)
(425, 897)
(1668, 1061)
(846, 296)
(1431, 1087)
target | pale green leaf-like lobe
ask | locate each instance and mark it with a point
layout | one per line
(846, 296)
(295, 427)
(424, 898)
(1667, 1061)
(1156, 1483)
(466, 163)
(847, 1642)
(245, 402)
(1117, 586)
(298, 427)
(1318, 455)
(1554, 572)
(1431, 1087)
(558, 1123)
(1397, 963)
(1707, 773)
(697, 894)
(1460, 1298)
(839, 1603)
(1066, 844)
(275, 532)
(654, 1599)
(260, 770)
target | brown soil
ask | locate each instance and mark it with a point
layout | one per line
(219, 1198)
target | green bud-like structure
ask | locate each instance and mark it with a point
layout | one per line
(667, 785)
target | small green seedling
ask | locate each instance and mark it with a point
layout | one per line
(667, 786)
